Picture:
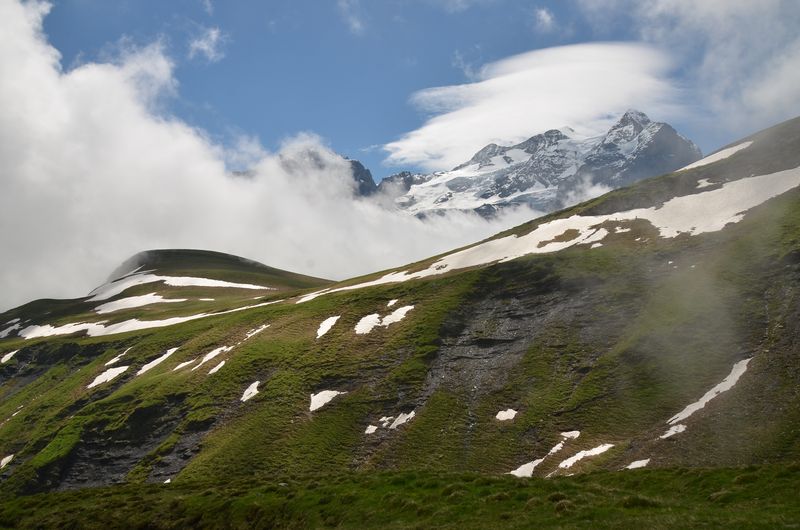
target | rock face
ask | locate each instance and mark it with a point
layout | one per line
(365, 184)
(548, 171)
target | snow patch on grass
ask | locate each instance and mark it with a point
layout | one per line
(326, 325)
(580, 455)
(736, 372)
(118, 357)
(210, 355)
(505, 415)
(391, 302)
(184, 365)
(370, 429)
(719, 155)
(104, 292)
(638, 464)
(7, 357)
(135, 301)
(99, 329)
(672, 431)
(6, 460)
(321, 399)
(571, 434)
(401, 419)
(397, 315)
(6, 332)
(526, 470)
(251, 391)
(155, 362)
(366, 324)
(255, 331)
(107, 376)
(216, 368)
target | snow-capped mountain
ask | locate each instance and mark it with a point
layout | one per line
(548, 171)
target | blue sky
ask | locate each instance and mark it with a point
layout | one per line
(344, 71)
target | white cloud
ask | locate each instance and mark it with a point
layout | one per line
(580, 85)
(208, 44)
(544, 20)
(208, 7)
(91, 175)
(456, 6)
(349, 11)
(742, 57)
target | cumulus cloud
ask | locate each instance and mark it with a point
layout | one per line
(208, 44)
(92, 174)
(742, 57)
(580, 85)
(349, 11)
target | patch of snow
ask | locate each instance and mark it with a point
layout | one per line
(168, 481)
(216, 368)
(326, 325)
(253, 332)
(401, 419)
(596, 245)
(366, 324)
(505, 415)
(385, 421)
(155, 362)
(738, 370)
(716, 157)
(12, 321)
(391, 302)
(118, 357)
(397, 315)
(672, 431)
(99, 329)
(638, 464)
(135, 301)
(104, 292)
(556, 448)
(321, 399)
(620, 230)
(688, 214)
(251, 391)
(704, 183)
(206, 299)
(6, 460)
(526, 470)
(580, 455)
(7, 357)
(184, 365)
(370, 429)
(107, 376)
(210, 355)
(571, 434)
(6, 332)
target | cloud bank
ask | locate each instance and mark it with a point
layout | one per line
(92, 172)
(581, 85)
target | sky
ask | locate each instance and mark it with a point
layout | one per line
(121, 121)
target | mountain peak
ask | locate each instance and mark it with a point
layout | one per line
(634, 116)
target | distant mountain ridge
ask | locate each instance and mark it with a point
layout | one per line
(548, 171)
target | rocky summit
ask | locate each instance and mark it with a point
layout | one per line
(548, 171)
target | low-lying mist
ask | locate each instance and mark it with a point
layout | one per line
(93, 172)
